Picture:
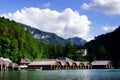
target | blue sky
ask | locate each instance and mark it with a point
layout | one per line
(66, 18)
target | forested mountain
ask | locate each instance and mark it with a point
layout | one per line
(16, 42)
(106, 46)
(47, 37)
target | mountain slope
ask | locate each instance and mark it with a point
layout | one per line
(76, 40)
(47, 37)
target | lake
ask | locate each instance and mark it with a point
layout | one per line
(93, 74)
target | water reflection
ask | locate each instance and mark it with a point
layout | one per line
(23, 75)
(62, 75)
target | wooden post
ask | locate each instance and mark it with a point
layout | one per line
(91, 67)
(66, 67)
(106, 67)
(51, 67)
(54, 67)
(111, 67)
(1, 67)
(57, 67)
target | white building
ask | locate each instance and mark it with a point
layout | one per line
(83, 52)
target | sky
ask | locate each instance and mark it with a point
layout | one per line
(66, 18)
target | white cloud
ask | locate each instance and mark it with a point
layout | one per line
(104, 6)
(66, 24)
(47, 4)
(109, 28)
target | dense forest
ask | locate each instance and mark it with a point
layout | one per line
(105, 47)
(17, 42)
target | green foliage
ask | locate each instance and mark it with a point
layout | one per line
(5, 46)
(103, 54)
(70, 50)
(53, 50)
(16, 42)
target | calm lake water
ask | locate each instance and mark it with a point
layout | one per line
(98, 74)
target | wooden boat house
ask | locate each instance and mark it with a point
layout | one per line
(104, 64)
(23, 63)
(47, 64)
(5, 64)
(74, 65)
(61, 63)
(13, 66)
(66, 63)
(87, 65)
(83, 65)
(80, 65)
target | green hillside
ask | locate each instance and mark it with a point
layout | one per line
(16, 42)
(106, 46)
